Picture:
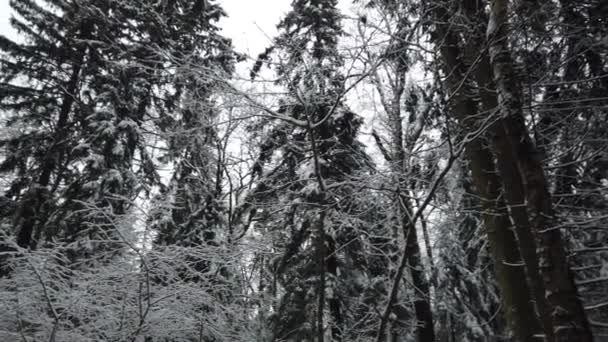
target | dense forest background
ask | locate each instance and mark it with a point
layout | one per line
(404, 170)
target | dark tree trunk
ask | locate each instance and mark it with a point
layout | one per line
(31, 215)
(568, 316)
(515, 294)
(422, 303)
(511, 180)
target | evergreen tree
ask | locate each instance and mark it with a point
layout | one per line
(313, 165)
(96, 74)
(189, 217)
(63, 137)
(569, 118)
(204, 60)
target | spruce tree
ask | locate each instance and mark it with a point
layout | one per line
(46, 98)
(564, 95)
(204, 59)
(310, 173)
(189, 215)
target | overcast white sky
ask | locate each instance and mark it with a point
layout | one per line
(252, 24)
(4, 15)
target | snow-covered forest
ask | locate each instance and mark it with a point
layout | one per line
(384, 170)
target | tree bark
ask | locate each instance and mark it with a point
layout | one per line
(422, 306)
(510, 177)
(322, 283)
(30, 210)
(567, 314)
(515, 294)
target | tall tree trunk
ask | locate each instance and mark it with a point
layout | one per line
(30, 213)
(422, 302)
(515, 294)
(568, 316)
(333, 300)
(422, 305)
(322, 283)
(511, 179)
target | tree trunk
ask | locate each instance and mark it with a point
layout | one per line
(568, 316)
(30, 211)
(511, 179)
(422, 305)
(397, 158)
(322, 283)
(331, 261)
(422, 302)
(515, 294)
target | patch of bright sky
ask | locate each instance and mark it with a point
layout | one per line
(252, 24)
(5, 14)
